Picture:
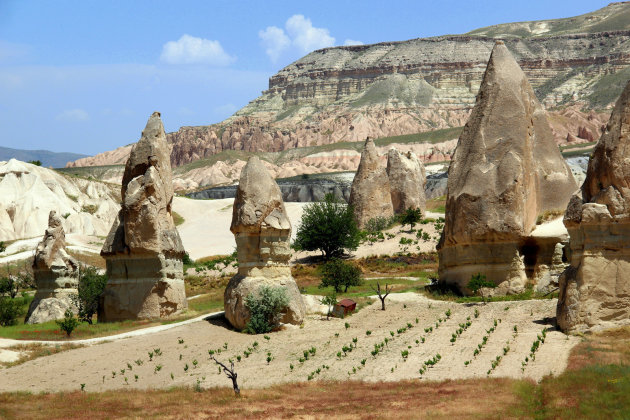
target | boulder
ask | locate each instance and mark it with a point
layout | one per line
(407, 181)
(56, 275)
(262, 231)
(506, 174)
(370, 194)
(595, 288)
(143, 250)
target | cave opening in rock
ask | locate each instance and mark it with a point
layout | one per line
(529, 250)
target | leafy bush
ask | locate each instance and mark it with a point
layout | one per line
(478, 282)
(379, 224)
(265, 308)
(411, 217)
(330, 300)
(3, 246)
(91, 286)
(68, 323)
(187, 260)
(338, 274)
(328, 226)
(89, 208)
(10, 310)
(35, 162)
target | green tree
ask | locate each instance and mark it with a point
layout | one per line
(338, 274)
(10, 310)
(35, 162)
(3, 246)
(411, 217)
(330, 300)
(265, 308)
(68, 323)
(328, 226)
(91, 286)
(477, 283)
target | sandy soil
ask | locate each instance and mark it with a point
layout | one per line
(93, 365)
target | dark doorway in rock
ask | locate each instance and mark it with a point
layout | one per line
(529, 250)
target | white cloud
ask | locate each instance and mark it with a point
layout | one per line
(73, 115)
(275, 41)
(192, 50)
(305, 36)
(349, 42)
(300, 35)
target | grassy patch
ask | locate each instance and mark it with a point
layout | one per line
(178, 219)
(437, 205)
(88, 258)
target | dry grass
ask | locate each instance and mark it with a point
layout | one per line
(88, 258)
(409, 399)
(34, 351)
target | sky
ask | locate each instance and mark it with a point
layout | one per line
(84, 76)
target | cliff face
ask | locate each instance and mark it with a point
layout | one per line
(394, 88)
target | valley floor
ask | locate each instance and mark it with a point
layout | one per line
(183, 358)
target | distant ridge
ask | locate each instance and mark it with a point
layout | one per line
(48, 158)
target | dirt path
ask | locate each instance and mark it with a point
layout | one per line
(94, 365)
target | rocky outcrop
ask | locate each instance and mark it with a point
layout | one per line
(395, 88)
(506, 173)
(262, 231)
(56, 276)
(29, 193)
(595, 289)
(143, 250)
(407, 181)
(370, 195)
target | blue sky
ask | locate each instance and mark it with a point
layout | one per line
(84, 76)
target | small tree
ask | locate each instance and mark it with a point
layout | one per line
(338, 274)
(91, 286)
(382, 296)
(265, 308)
(477, 283)
(68, 323)
(328, 226)
(411, 217)
(230, 373)
(330, 300)
(3, 247)
(10, 310)
(35, 162)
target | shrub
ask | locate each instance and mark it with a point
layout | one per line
(328, 226)
(477, 283)
(411, 217)
(35, 162)
(265, 308)
(68, 323)
(91, 286)
(10, 310)
(379, 224)
(338, 274)
(3, 246)
(330, 300)
(89, 208)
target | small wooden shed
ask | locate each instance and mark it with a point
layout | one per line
(344, 307)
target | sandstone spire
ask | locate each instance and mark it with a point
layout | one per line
(143, 249)
(56, 275)
(595, 288)
(407, 180)
(262, 231)
(370, 194)
(506, 172)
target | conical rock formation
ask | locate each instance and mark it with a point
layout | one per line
(506, 172)
(143, 249)
(370, 194)
(595, 288)
(407, 180)
(56, 275)
(262, 231)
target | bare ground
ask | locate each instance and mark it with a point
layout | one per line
(94, 365)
